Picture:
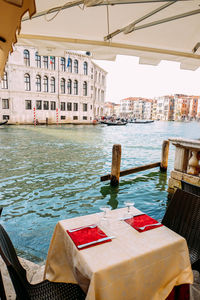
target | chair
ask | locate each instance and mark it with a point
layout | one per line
(183, 216)
(26, 291)
(189, 187)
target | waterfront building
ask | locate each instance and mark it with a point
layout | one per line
(154, 109)
(41, 89)
(136, 107)
(111, 109)
(165, 108)
(198, 110)
(193, 107)
(181, 107)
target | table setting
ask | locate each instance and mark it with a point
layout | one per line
(117, 252)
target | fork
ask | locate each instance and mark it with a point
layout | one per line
(87, 226)
(143, 227)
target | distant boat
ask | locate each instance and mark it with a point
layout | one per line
(142, 121)
(3, 123)
(118, 123)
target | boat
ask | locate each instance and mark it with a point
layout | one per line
(118, 123)
(3, 123)
(142, 121)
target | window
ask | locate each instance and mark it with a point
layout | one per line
(69, 86)
(6, 117)
(75, 106)
(84, 118)
(62, 64)
(62, 117)
(103, 79)
(45, 84)
(85, 68)
(76, 66)
(84, 88)
(38, 83)
(38, 60)
(75, 87)
(62, 85)
(90, 106)
(69, 65)
(26, 58)
(46, 105)
(38, 104)
(62, 106)
(27, 82)
(5, 103)
(75, 117)
(53, 85)
(28, 104)
(4, 81)
(69, 106)
(84, 106)
(53, 105)
(45, 62)
(52, 62)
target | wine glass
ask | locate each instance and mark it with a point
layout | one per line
(104, 219)
(129, 212)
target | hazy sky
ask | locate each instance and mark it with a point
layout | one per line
(127, 78)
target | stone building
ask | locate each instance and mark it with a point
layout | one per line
(41, 89)
(136, 107)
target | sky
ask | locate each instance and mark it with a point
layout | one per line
(127, 78)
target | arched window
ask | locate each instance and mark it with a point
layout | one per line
(62, 85)
(52, 62)
(76, 66)
(84, 88)
(53, 85)
(45, 84)
(85, 68)
(69, 64)
(26, 58)
(62, 64)
(75, 87)
(4, 81)
(46, 62)
(38, 83)
(38, 60)
(27, 82)
(69, 86)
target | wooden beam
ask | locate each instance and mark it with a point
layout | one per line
(132, 170)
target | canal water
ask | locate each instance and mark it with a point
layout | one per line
(53, 173)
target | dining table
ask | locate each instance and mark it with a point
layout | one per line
(130, 263)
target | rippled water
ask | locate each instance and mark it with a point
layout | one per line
(53, 173)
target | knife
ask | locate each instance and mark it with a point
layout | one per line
(122, 219)
(95, 242)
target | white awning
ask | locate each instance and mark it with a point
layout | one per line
(149, 29)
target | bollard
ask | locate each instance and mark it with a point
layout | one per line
(164, 159)
(116, 160)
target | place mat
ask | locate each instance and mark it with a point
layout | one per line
(87, 235)
(142, 220)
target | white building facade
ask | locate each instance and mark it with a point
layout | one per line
(47, 89)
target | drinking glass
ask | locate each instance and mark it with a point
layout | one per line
(104, 221)
(129, 213)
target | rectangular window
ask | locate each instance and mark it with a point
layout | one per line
(28, 104)
(84, 118)
(6, 117)
(62, 106)
(69, 106)
(62, 117)
(75, 117)
(4, 81)
(75, 106)
(5, 103)
(53, 105)
(46, 105)
(45, 62)
(84, 106)
(90, 106)
(38, 104)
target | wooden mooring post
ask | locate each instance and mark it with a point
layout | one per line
(116, 161)
(164, 158)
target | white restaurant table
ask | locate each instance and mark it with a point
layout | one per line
(139, 266)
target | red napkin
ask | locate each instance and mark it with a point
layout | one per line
(142, 220)
(87, 235)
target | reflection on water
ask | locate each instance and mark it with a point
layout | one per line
(53, 173)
